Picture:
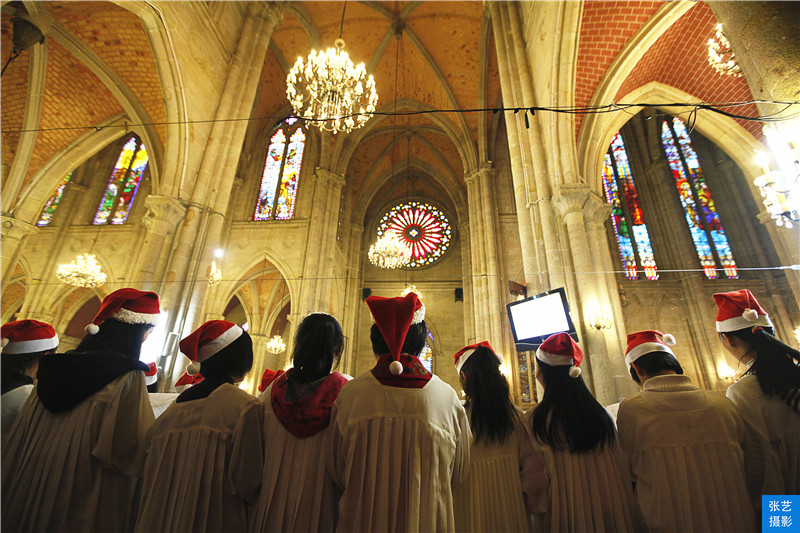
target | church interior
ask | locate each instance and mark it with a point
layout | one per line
(515, 148)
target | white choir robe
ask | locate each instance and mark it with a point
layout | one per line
(585, 491)
(204, 463)
(684, 446)
(73, 470)
(395, 453)
(778, 422)
(491, 497)
(297, 493)
(11, 404)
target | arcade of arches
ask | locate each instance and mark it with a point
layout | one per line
(158, 134)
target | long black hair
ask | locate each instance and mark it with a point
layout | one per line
(412, 345)
(568, 416)
(775, 366)
(18, 364)
(317, 346)
(492, 415)
(115, 336)
(233, 361)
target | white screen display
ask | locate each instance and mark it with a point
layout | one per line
(539, 317)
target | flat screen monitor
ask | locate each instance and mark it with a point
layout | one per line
(536, 318)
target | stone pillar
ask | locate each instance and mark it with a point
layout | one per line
(321, 242)
(13, 234)
(478, 272)
(352, 300)
(571, 202)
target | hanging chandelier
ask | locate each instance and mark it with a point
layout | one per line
(780, 188)
(276, 345)
(84, 271)
(215, 274)
(329, 90)
(389, 251)
(720, 55)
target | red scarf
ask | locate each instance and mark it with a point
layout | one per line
(308, 415)
(413, 376)
(187, 379)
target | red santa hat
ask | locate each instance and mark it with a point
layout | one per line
(130, 306)
(207, 340)
(739, 310)
(645, 342)
(28, 336)
(561, 350)
(463, 354)
(151, 374)
(268, 377)
(394, 317)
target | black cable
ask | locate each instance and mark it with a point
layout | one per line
(12, 55)
(341, 24)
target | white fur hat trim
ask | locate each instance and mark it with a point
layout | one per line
(419, 315)
(464, 356)
(553, 359)
(31, 346)
(740, 322)
(132, 317)
(645, 348)
(227, 337)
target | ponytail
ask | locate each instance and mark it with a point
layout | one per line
(775, 366)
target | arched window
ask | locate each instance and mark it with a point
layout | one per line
(426, 355)
(705, 226)
(278, 191)
(49, 208)
(627, 216)
(123, 184)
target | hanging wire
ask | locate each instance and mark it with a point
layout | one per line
(13, 55)
(341, 24)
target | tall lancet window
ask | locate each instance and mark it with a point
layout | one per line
(279, 180)
(705, 226)
(115, 206)
(49, 209)
(627, 217)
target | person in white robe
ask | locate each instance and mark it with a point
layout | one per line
(399, 434)
(204, 455)
(587, 484)
(23, 343)
(767, 396)
(491, 498)
(297, 492)
(79, 441)
(684, 445)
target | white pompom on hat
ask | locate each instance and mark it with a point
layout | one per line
(130, 306)
(561, 350)
(28, 336)
(647, 341)
(207, 340)
(394, 317)
(739, 310)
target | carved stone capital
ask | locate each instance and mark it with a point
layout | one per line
(328, 178)
(596, 209)
(162, 211)
(14, 228)
(571, 197)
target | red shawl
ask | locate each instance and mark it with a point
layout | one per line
(312, 413)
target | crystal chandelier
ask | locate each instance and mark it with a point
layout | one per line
(720, 55)
(84, 271)
(276, 345)
(328, 89)
(389, 252)
(780, 189)
(215, 274)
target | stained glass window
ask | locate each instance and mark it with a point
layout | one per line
(122, 185)
(49, 208)
(705, 226)
(426, 356)
(278, 192)
(627, 217)
(423, 227)
(524, 382)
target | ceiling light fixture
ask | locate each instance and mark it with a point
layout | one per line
(720, 55)
(330, 91)
(84, 271)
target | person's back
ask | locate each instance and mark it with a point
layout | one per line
(684, 446)
(204, 452)
(297, 492)
(399, 435)
(491, 496)
(396, 451)
(80, 438)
